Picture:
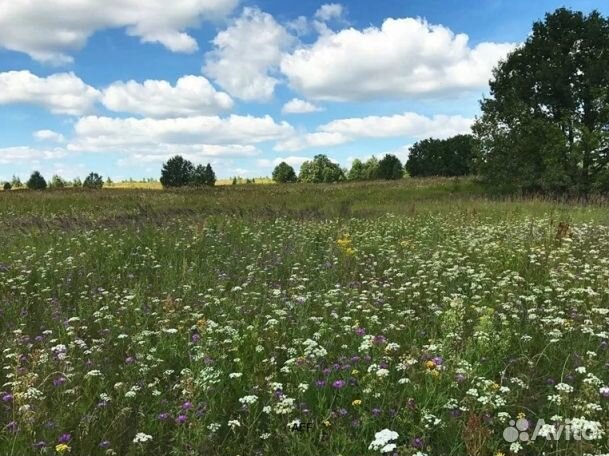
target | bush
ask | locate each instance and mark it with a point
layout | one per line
(93, 182)
(203, 176)
(36, 182)
(177, 172)
(57, 182)
(449, 157)
(284, 173)
(390, 168)
(7, 186)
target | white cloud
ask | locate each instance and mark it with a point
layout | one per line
(311, 140)
(48, 30)
(25, 155)
(61, 93)
(197, 153)
(405, 58)
(329, 11)
(246, 54)
(49, 136)
(297, 106)
(105, 133)
(293, 161)
(409, 125)
(192, 95)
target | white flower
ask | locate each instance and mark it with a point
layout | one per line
(383, 441)
(248, 400)
(381, 373)
(140, 437)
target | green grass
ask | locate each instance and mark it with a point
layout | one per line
(211, 320)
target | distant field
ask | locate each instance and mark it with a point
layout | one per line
(307, 318)
(157, 185)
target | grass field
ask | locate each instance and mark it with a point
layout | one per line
(411, 318)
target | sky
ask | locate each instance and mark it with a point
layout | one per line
(118, 87)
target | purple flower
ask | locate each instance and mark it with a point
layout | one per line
(187, 405)
(40, 445)
(417, 442)
(163, 416)
(7, 397)
(105, 444)
(64, 438)
(360, 331)
(130, 360)
(320, 383)
(181, 419)
(338, 384)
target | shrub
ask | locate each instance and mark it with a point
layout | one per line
(321, 170)
(177, 172)
(7, 186)
(390, 168)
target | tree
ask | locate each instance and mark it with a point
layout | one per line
(93, 182)
(16, 182)
(390, 168)
(284, 173)
(109, 182)
(76, 183)
(210, 176)
(319, 170)
(36, 181)
(57, 182)
(7, 186)
(449, 157)
(177, 172)
(357, 171)
(545, 126)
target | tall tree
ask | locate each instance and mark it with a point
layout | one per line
(390, 168)
(545, 125)
(36, 181)
(448, 157)
(284, 173)
(177, 172)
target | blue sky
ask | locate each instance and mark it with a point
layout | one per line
(119, 87)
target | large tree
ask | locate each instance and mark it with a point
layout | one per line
(36, 181)
(177, 172)
(321, 169)
(390, 168)
(545, 126)
(442, 157)
(284, 174)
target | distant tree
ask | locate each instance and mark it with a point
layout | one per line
(284, 173)
(93, 182)
(234, 181)
(545, 125)
(449, 157)
(7, 186)
(16, 182)
(36, 181)
(357, 171)
(109, 182)
(320, 170)
(210, 176)
(76, 183)
(57, 182)
(198, 176)
(177, 172)
(390, 168)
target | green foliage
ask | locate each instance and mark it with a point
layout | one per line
(57, 182)
(203, 176)
(16, 182)
(177, 172)
(284, 173)
(320, 170)
(7, 186)
(449, 157)
(364, 171)
(93, 182)
(390, 168)
(36, 182)
(545, 126)
(76, 183)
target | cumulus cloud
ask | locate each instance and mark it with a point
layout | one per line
(293, 161)
(61, 93)
(191, 95)
(29, 156)
(409, 125)
(329, 11)
(297, 106)
(246, 55)
(405, 58)
(49, 30)
(49, 136)
(94, 133)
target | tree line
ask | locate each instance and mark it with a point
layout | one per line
(37, 182)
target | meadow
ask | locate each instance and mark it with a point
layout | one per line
(412, 318)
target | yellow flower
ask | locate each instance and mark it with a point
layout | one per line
(495, 386)
(499, 453)
(327, 423)
(430, 364)
(356, 402)
(435, 373)
(63, 448)
(354, 372)
(521, 416)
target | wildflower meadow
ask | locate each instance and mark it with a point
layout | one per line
(414, 318)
